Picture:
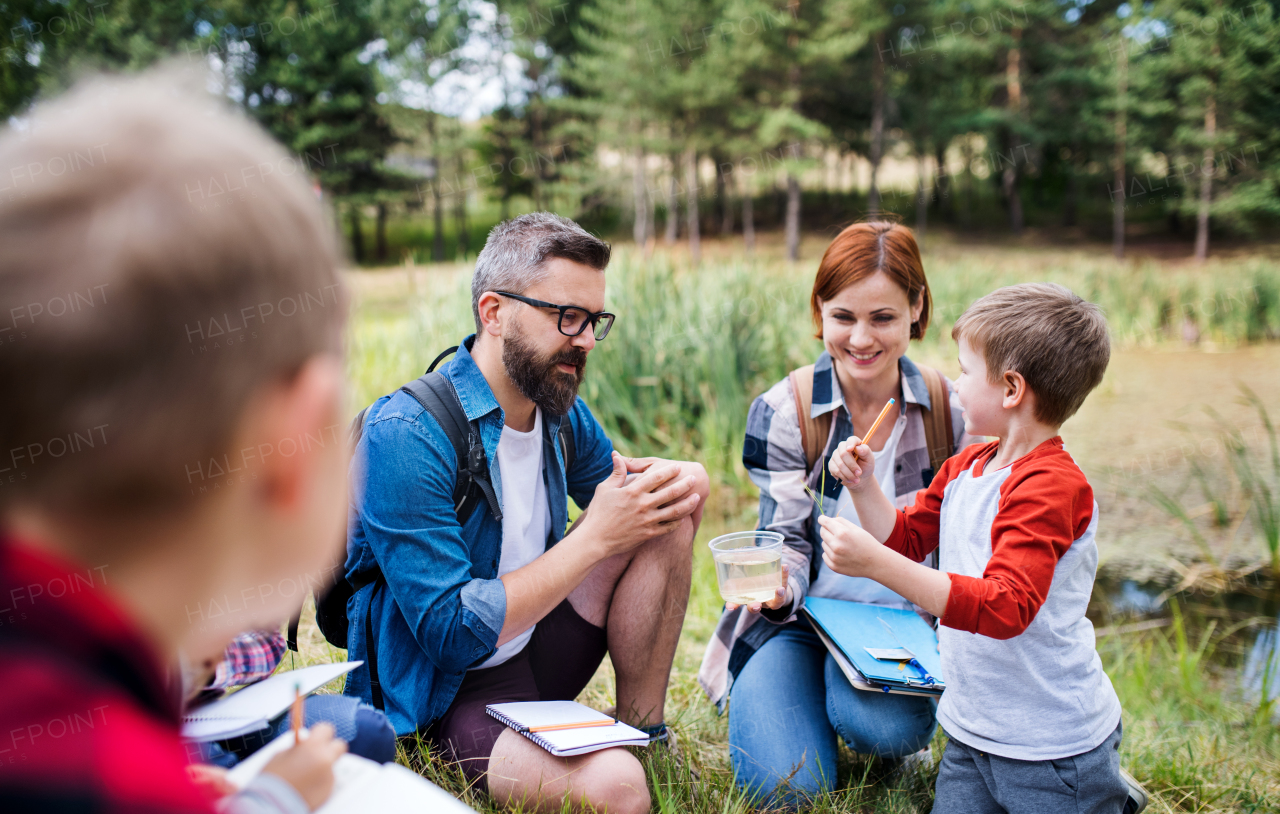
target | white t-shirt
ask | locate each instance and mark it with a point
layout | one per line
(831, 585)
(526, 515)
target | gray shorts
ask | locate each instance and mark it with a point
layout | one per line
(973, 782)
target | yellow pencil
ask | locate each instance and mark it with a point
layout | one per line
(875, 426)
(296, 712)
(578, 725)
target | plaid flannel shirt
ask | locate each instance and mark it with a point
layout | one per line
(88, 722)
(250, 657)
(774, 457)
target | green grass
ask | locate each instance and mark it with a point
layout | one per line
(691, 349)
(1189, 737)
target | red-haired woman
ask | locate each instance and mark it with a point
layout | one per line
(789, 699)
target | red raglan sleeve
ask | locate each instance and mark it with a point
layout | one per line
(1043, 509)
(915, 531)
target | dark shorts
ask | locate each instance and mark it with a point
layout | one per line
(555, 665)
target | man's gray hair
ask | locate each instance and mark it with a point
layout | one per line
(514, 255)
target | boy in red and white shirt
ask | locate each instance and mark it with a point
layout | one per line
(1032, 720)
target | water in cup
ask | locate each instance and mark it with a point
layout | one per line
(749, 575)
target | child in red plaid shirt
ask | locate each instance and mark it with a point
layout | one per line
(170, 359)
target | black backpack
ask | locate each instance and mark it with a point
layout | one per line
(437, 396)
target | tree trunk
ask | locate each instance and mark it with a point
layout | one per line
(922, 199)
(651, 220)
(877, 126)
(793, 183)
(535, 124)
(437, 239)
(966, 216)
(380, 234)
(748, 223)
(726, 203)
(1071, 199)
(793, 217)
(460, 221)
(673, 204)
(1014, 197)
(1013, 84)
(357, 236)
(640, 228)
(691, 202)
(942, 184)
(1118, 196)
(1206, 178)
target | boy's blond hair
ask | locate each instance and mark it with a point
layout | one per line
(1056, 340)
(163, 259)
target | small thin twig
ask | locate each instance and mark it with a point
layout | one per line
(822, 488)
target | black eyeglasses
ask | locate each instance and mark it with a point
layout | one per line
(573, 320)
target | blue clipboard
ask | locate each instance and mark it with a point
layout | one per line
(855, 626)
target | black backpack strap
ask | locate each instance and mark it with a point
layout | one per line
(371, 650)
(356, 430)
(440, 358)
(566, 445)
(291, 641)
(436, 395)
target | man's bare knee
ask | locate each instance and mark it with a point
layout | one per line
(702, 481)
(613, 781)
(676, 545)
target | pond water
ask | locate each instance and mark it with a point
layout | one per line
(1134, 431)
(1252, 652)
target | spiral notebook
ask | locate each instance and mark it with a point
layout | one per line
(252, 708)
(360, 785)
(566, 728)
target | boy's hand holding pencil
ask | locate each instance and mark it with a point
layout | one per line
(308, 764)
(853, 463)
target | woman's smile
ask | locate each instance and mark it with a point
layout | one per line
(865, 359)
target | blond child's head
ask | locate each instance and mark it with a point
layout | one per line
(1042, 334)
(170, 336)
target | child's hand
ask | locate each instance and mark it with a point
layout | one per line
(780, 598)
(846, 548)
(211, 780)
(308, 765)
(853, 464)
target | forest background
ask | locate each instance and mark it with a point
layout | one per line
(1126, 151)
(426, 122)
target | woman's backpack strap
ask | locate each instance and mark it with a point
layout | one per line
(814, 432)
(938, 432)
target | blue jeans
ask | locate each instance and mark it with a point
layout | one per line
(788, 705)
(367, 731)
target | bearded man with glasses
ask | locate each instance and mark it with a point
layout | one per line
(519, 609)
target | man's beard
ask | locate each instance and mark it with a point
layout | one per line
(538, 378)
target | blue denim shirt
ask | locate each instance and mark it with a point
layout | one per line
(443, 606)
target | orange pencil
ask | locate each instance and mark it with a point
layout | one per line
(578, 725)
(875, 426)
(296, 712)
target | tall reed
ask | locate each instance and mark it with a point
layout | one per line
(693, 346)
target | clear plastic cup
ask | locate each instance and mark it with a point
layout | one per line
(748, 565)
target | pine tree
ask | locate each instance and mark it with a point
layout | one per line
(47, 44)
(1215, 70)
